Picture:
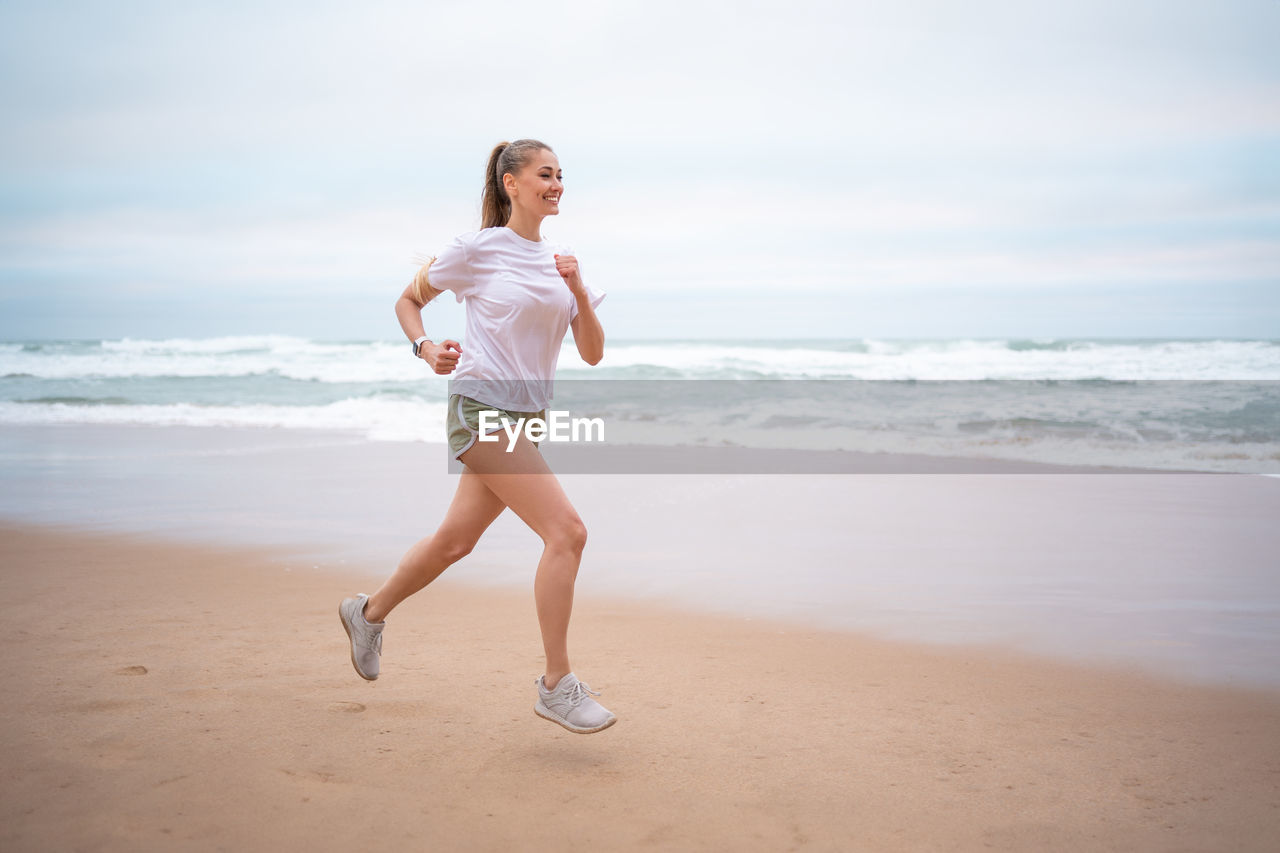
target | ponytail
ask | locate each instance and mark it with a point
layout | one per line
(423, 292)
(495, 207)
(506, 158)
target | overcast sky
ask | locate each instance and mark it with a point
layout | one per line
(733, 170)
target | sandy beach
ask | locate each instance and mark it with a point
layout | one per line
(166, 696)
(1047, 659)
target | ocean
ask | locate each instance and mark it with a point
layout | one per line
(1189, 405)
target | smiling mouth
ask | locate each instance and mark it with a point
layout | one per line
(554, 199)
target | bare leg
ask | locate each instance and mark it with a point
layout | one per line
(473, 509)
(522, 481)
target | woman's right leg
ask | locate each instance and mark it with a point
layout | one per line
(473, 509)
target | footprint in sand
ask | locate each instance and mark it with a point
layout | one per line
(132, 670)
(348, 707)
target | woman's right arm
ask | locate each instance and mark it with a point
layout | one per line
(442, 357)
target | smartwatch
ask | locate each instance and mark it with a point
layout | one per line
(417, 345)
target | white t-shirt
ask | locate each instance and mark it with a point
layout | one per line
(518, 311)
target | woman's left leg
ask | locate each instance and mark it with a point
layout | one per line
(521, 480)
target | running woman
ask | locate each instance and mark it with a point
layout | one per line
(521, 297)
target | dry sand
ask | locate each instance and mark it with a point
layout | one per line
(163, 696)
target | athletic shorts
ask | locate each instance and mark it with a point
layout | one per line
(463, 422)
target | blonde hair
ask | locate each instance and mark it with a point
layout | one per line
(423, 292)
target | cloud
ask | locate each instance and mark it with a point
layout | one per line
(709, 148)
(397, 77)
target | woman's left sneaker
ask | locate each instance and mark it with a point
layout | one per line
(570, 704)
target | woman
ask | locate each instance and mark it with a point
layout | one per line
(521, 298)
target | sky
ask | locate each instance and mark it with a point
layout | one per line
(743, 170)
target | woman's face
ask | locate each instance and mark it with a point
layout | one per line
(538, 188)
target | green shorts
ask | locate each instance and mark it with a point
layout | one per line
(463, 422)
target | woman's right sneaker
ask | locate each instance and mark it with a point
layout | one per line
(366, 636)
(571, 705)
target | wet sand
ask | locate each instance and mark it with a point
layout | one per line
(1175, 573)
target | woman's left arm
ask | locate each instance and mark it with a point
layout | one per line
(588, 334)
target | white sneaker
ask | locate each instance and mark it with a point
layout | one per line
(571, 705)
(366, 637)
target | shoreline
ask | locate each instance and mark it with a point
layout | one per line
(1170, 573)
(215, 705)
(587, 459)
(304, 560)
